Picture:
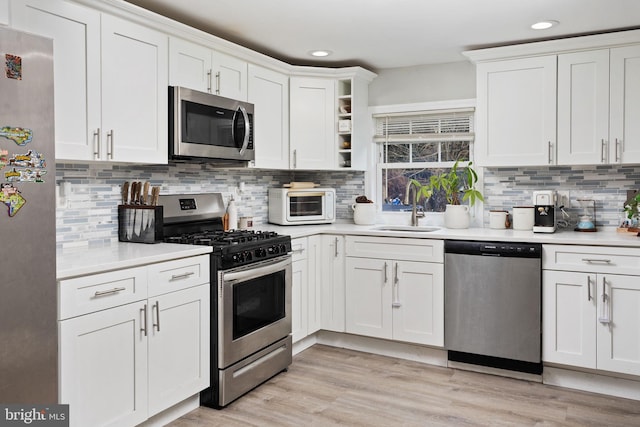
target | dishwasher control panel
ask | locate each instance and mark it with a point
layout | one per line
(525, 250)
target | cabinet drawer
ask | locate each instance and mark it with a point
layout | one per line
(88, 294)
(299, 249)
(179, 274)
(591, 259)
(406, 249)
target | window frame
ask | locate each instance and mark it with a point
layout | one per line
(373, 176)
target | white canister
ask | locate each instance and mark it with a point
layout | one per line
(523, 217)
(364, 213)
(498, 219)
(245, 223)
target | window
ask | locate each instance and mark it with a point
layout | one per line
(416, 145)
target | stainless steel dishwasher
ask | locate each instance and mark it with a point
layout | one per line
(493, 293)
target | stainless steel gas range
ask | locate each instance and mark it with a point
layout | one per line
(250, 295)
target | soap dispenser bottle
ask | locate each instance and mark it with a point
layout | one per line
(232, 211)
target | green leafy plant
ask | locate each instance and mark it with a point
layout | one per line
(631, 207)
(458, 181)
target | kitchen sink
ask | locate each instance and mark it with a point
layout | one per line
(410, 228)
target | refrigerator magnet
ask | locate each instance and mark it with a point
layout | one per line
(13, 66)
(25, 175)
(4, 158)
(12, 198)
(31, 159)
(21, 136)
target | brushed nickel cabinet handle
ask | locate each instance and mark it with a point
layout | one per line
(386, 278)
(144, 319)
(218, 83)
(396, 289)
(596, 260)
(209, 81)
(603, 151)
(618, 150)
(156, 324)
(588, 288)
(109, 292)
(336, 256)
(110, 144)
(182, 276)
(96, 143)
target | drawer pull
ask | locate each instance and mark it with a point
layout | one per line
(109, 292)
(596, 260)
(181, 276)
(298, 251)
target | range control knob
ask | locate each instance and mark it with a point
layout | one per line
(261, 253)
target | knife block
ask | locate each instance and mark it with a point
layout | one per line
(140, 223)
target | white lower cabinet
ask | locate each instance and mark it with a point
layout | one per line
(306, 292)
(393, 298)
(125, 362)
(333, 283)
(591, 318)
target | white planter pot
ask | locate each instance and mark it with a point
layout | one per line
(457, 216)
(364, 213)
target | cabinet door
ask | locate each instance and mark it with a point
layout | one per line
(625, 105)
(269, 93)
(299, 299)
(619, 323)
(314, 284)
(178, 325)
(569, 318)
(583, 107)
(103, 366)
(368, 297)
(230, 75)
(312, 130)
(418, 302)
(134, 92)
(189, 65)
(75, 31)
(4, 12)
(516, 113)
(333, 283)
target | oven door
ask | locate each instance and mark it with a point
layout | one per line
(254, 308)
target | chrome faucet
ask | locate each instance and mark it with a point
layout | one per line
(414, 210)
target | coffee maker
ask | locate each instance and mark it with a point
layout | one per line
(544, 203)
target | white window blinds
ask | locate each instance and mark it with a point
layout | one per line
(440, 125)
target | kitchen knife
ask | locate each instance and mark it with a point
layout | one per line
(125, 192)
(144, 199)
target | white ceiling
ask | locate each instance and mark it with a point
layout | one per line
(380, 34)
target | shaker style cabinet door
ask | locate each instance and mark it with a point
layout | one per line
(583, 107)
(269, 93)
(230, 76)
(190, 65)
(134, 92)
(624, 125)
(516, 112)
(619, 323)
(178, 325)
(103, 367)
(312, 130)
(75, 31)
(569, 318)
(333, 283)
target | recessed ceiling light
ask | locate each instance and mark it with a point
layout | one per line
(544, 25)
(320, 53)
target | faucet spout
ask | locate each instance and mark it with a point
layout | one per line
(414, 209)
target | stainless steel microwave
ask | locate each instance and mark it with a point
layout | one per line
(297, 206)
(202, 125)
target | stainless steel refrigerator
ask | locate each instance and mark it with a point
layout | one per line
(28, 296)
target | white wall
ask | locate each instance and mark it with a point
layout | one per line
(424, 83)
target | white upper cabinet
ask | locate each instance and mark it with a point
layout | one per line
(110, 79)
(134, 92)
(269, 93)
(516, 112)
(75, 31)
(583, 107)
(198, 67)
(312, 129)
(624, 126)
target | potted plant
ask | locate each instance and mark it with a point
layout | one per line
(631, 211)
(455, 183)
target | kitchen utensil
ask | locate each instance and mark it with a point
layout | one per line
(587, 221)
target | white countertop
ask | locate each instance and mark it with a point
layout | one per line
(90, 260)
(607, 236)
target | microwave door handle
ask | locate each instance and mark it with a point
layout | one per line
(247, 130)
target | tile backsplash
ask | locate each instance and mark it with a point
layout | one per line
(87, 215)
(606, 184)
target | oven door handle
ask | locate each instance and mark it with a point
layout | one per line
(256, 271)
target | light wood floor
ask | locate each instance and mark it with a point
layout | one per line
(329, 386)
